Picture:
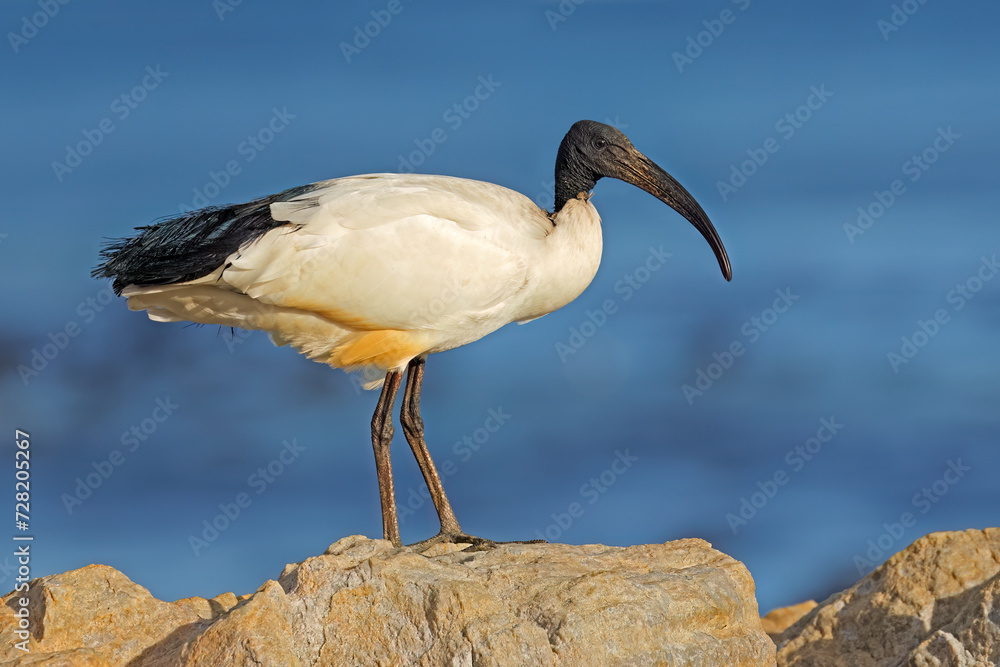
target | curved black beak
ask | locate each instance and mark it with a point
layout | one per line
(642, 172)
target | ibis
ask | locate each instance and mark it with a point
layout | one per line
(375, 272)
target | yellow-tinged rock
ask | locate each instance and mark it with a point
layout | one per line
(935, 603)
(366, 602)
(777, 621)
(78, 657)
(96, 607)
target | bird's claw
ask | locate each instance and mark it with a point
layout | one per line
(476, 543)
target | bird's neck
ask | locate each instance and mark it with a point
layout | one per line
(572, 176)
(572, 255)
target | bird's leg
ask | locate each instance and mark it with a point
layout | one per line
(381, 441)
(413, 428)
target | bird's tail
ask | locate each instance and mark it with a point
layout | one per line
(368, 353)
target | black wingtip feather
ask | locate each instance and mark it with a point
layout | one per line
(190, 245)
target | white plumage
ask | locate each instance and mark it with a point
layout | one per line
(378, 269)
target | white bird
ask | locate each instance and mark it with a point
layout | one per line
(379, 271)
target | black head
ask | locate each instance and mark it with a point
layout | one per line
(592, 150)
(588, 152)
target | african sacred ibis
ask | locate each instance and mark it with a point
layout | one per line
(378, 271)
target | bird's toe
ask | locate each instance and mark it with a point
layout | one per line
(475, 543)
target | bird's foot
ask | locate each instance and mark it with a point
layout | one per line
(458, 537)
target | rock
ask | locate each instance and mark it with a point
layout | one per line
(777, 621)
(96, 607)
(365, 602)
(80, 657)
(935, 603)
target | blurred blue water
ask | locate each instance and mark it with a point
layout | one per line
(621, 394)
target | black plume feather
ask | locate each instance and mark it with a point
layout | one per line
(188, 246)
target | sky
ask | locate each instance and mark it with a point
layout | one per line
(834, 402)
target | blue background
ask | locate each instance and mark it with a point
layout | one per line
(238, 399)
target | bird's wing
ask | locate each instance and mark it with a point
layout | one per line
(393, 251)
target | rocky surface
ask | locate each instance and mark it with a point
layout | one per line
(935, 603)
(364, 602)
(777, 621)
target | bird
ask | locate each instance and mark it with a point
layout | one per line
(375, 272)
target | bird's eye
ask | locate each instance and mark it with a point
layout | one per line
(600, 143)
